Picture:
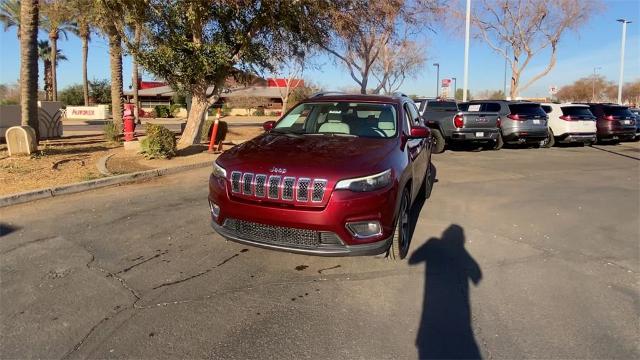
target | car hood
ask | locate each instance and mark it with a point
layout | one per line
(314, 156)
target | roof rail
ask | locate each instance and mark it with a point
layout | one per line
(326, 93)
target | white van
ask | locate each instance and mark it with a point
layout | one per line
(570, 123)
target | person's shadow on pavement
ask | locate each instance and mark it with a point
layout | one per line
(445, 328)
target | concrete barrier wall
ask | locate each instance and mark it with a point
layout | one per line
(49, 116)
(98, 112)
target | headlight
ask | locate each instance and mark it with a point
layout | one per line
(219, 171)
(366, 183)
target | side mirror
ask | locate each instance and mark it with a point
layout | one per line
(268, 125)
(419, 132)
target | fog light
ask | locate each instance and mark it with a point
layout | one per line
(215, 210)
(364, 229)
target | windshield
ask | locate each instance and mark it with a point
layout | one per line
(340, 119)
(619, 111)
(532, 109)
(577, 111)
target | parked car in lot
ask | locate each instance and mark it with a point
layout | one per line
(520, 121)
(570, 123)
(636, 112)
(335, 176)
(614, 122)
(450, 124)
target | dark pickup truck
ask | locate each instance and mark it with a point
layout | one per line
(452, 124)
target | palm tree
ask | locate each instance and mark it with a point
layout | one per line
(29, 11)
(44, 53)
(56, 22)
(83, 15)
(10, 15)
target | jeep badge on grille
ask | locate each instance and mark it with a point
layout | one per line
(278, 170)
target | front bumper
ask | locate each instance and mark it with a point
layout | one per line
(322, 250)
(578, 137)
(475, 135)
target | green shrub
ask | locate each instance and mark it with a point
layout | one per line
(162, 111)
(111, 132)
(159, 143)
(173, 110)
(259, 112)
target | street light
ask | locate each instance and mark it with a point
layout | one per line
(454, 87)
(624, 36)
(437, 79)
(593, 84)
(466, 51)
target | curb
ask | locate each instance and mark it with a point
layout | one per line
(95, 184)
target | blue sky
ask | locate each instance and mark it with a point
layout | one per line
(595, 45)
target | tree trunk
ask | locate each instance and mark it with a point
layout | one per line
(29, 64)
(134, 74)
(53, 39)
(48, 96)
(515, 77)
(199, 105)
(85, 55)
(115, 61)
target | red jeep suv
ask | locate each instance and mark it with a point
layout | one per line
(335, 176)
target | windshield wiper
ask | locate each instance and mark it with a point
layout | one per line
(286, 132)
(332, 134)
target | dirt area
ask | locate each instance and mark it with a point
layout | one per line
(73, 159)
(57, 162)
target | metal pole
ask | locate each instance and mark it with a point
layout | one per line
(624, 36)
(455, 88)
(437, 65)
(593, 84)
(466, 52)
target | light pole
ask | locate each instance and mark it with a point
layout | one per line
(624, 36)
(454, 87)
(466, 51)
(593, 84)
(437, 79)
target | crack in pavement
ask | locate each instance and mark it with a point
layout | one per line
(142, 262)
(196, 275)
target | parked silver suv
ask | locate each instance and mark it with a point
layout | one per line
(521, 121)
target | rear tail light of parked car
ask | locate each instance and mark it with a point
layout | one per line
(498, 122)
(609, 117)
(458, 121)
(514, 117)
(566, 117)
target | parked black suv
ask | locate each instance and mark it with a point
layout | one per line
(614, 122)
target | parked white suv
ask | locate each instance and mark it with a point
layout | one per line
(570, 123)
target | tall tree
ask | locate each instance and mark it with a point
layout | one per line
(528, 27)
(113, 27)
(56, 16)
(196, 45)
(82, 15)
(135, 77)
(290, 72)
(44, 54)
(10, 15)
(29, 12)
(398, 60)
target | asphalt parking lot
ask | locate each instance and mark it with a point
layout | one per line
(519, 253)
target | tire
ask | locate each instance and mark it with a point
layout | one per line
(438, 146)
(550, 141)
(499, 143)
(400, 243)
(427, 183)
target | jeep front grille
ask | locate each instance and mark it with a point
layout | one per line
(270, 234)
(276, 187)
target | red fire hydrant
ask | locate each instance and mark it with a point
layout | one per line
(129, 122)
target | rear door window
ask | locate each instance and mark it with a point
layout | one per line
(577, 112)
(528, 110)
